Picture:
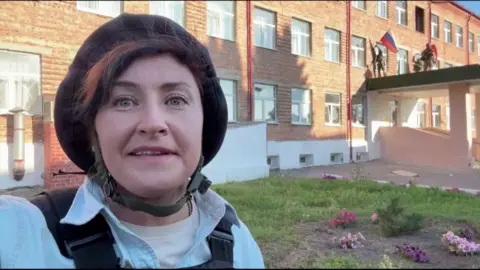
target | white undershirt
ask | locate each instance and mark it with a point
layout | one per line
(170, 242)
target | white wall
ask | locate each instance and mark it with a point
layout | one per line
(289, 152)
(243, 155)
(378, 115)
(34, 166)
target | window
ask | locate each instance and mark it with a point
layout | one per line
(420, 114)
(436, 109)
(332, 45)
(447, 29)
(358, 51)
(359, 4)
(419, 20)
(20, 82)
(385, 53)
(458, 36)
(332, 109)
(401, 12)
(436, 65)
(382, 9)
(265, 103)
(402, 62)
(229, 88)
(174, 10)
(301, 107)
(478, 46)
(358, 114)
(447, 65)
(434, 24)
(447, 111)
(264, 28)
(471, 38)
(336, 158)
(300, 37)
(105, 8)
(221, 19)
(474, 124)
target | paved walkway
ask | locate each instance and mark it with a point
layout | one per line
(381, 170)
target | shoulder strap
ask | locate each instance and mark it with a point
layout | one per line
(89, 245)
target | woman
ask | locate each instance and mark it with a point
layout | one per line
(141, 110)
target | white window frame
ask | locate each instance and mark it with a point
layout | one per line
(306, 102)
(105, 8)
(358, 52)
(218, 27)
(435, 26)
(400, 11)
(447, 31)
(472, 117)
(357, 4)
(421, 114)
(232, 95)
(263, 24)
(331, 105)
(362, 105)
(447, 112)
(331, 45)
(382, 5)
(298, 36)
(400, 60)
(471, 38)
(167, 9)
(458, 36)
(436, 115)
(11, 94)
(263, 99)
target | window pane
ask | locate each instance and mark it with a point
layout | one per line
(295, 113)
(336, 114)
(3, 93)
(306, 114)
(327, 114)
(332, 98)
(270, 111)
(231, 108)
(258, 110)
(264, 91)
(298, 95)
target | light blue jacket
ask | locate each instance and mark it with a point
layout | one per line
(26, 242)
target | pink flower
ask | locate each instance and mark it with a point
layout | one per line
(373, 217)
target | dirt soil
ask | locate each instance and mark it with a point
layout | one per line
(316, 244)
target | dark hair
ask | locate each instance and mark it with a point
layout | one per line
(98, 81)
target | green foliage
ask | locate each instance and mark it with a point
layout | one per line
(394, 222)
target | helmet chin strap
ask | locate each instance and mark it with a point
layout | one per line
(99, 174)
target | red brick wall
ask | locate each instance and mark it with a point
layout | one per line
(57, 29)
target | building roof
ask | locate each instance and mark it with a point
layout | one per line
(467, 73)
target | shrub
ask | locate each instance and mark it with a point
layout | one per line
(344, 219)
(413, 253)
(394, 222)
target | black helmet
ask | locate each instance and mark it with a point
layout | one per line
(73, 134)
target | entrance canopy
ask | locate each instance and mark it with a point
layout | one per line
(427, 83)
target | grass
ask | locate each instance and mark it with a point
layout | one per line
(271, 207)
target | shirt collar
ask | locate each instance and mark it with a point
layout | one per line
(90, 200)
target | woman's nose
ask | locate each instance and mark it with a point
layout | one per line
(153, 123)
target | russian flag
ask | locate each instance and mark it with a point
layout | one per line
(388, 40)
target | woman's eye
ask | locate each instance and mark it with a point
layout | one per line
(177, 101)
(123, 103)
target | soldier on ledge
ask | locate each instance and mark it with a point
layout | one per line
(428, 58)
(378, 62)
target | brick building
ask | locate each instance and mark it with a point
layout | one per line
(295, 60)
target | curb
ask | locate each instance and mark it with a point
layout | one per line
(464, 190)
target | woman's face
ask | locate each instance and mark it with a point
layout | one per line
(150, 130)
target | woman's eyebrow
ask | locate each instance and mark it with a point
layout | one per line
(166, 87)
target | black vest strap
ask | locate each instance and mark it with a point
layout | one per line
(91, 245)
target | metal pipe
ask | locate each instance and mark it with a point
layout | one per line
(249, 58)
(429, 41)
(18, 169)
(349, 94)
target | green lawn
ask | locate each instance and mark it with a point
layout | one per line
(271, 207)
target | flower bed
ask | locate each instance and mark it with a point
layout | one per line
(460, 246)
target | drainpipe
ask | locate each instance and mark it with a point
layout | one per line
(18, 169)
(467, 48)
(349, 97)
(429, 41)
(249, 59)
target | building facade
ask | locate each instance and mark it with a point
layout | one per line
(298, 68)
